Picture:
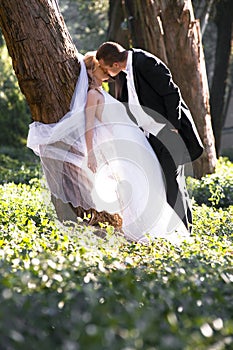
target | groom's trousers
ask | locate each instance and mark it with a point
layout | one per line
(173, 173)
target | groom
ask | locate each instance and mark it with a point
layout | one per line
(142, 79)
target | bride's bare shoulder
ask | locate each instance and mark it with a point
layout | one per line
(95, 94)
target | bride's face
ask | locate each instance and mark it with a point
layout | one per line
(100, 74)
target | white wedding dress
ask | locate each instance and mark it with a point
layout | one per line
(128, 180)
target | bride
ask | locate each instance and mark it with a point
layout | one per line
(95, 157)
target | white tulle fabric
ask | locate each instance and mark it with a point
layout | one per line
(128, 180)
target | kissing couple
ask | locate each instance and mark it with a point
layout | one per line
(123, 156)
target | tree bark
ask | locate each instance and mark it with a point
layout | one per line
(203, 10)
(168, 29)
(118, 25)
(224, 20)
(186, 61)
(145, 26)
(45, 63)
(43, 55)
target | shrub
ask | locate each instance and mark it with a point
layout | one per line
(18, 171)
(14, 111)
(214, 189)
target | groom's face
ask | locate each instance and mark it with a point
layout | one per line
(112, 70)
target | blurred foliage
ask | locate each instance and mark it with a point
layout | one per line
(87, 22)
(18, 165)
(14, 112)
(21, 154)
(14, 170)
(64, 288)
(214, 189)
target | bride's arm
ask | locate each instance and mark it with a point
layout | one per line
(90, 112)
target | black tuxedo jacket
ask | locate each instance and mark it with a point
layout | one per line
(160, 97)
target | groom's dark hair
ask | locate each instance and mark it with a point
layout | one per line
(111, 52)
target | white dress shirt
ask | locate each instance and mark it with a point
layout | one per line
(147, 123)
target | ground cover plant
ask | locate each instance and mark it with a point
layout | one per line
(63, 287)
(215, 189)
(18, 165)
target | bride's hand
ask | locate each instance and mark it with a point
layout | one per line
(92, 163)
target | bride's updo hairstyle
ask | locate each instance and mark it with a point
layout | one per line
(91, 61)
(91, 64)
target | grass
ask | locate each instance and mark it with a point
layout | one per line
(64, 288)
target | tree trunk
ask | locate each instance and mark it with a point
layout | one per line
(168, 29)
(203, 11)
(118, 28)
(43, 55)
(145, 26)
(224, 20)
(45, 62)
(184, 49)
(118, 25)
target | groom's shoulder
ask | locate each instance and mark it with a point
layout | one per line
(141, 55)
